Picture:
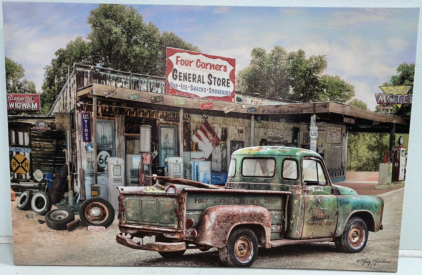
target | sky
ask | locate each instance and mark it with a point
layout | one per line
(362, 46)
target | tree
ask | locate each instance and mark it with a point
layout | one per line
(120, 40)
(280, 74)
(335, 89)
(14, 79)
(358, 103)
(405, 77)
(55, 74)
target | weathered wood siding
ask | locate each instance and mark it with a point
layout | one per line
(47, 150)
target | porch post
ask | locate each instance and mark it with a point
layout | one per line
(181, 133)
(94, 133)
(252, 129)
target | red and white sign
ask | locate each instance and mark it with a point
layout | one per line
(193, 74)
(206, 138)
(23, 102)
(206, 106)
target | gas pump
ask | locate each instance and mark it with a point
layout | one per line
(399, 161)
(116, 177)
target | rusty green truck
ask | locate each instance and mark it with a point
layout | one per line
(274, 196)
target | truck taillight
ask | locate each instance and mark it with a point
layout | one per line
(189, 223)
(123, 208)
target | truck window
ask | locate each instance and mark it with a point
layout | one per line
(232, 168)
(313, 173)
(290, 169)
(258, 167)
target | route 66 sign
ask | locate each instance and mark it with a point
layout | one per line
(102, 159)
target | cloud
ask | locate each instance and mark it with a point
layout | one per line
(365, 92)
(221, 9)
(397, 44)
(354, 17)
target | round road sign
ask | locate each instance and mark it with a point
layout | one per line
(20, 164)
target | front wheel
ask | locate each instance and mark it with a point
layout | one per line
(241, 249)
(354, 238)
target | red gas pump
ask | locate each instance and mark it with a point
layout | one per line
(399, 161)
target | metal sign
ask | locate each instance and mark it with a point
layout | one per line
(41, 126)
(110, 93)
(102, 159)
(228, 109)
(134, 96)
(155, 99)
(396, 95)
(20, 164)
(334, 135)
(180, 101)
(206, 106)
(199, 75)
(251, 110)
(313, 132)
(20, 149)
(86, 127)
(206, 138)
(23, 102)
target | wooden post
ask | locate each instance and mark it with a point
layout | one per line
(181, 132)
(392, 141)
(252, 128)
(94, 133)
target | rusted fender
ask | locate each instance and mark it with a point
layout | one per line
(216, 223)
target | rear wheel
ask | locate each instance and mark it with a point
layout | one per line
(355, 236)
(168, 255)
(241, 249)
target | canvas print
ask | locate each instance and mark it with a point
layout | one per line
(208, 136)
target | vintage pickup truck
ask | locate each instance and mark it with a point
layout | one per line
(274, 196)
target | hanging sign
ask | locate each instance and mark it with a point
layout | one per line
(86, 127)
(20, 149)
(23, 102)
(228, 109)
(193, 74)
(133, 96)
(180, 101)
(19, 164)
(41, 126)
(251, 110)
(206, 106)
(155, 99)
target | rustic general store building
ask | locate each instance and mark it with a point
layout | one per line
(120, 102)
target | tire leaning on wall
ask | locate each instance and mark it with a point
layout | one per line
(24, 201)
(41, 203)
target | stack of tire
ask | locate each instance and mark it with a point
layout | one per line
(40, 203)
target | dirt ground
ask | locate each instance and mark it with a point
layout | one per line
(36, 244)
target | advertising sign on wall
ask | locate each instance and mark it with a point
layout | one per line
(193, 74)
(86, 127)
(23, 102)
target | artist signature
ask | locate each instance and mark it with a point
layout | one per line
(373, 262)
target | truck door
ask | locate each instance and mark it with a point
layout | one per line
(320, 217)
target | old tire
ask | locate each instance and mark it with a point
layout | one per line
(96, 211)
(58, 218)
(41, 203)
(168, 255)
(241, 249)
(24, 202)
(354, 237)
